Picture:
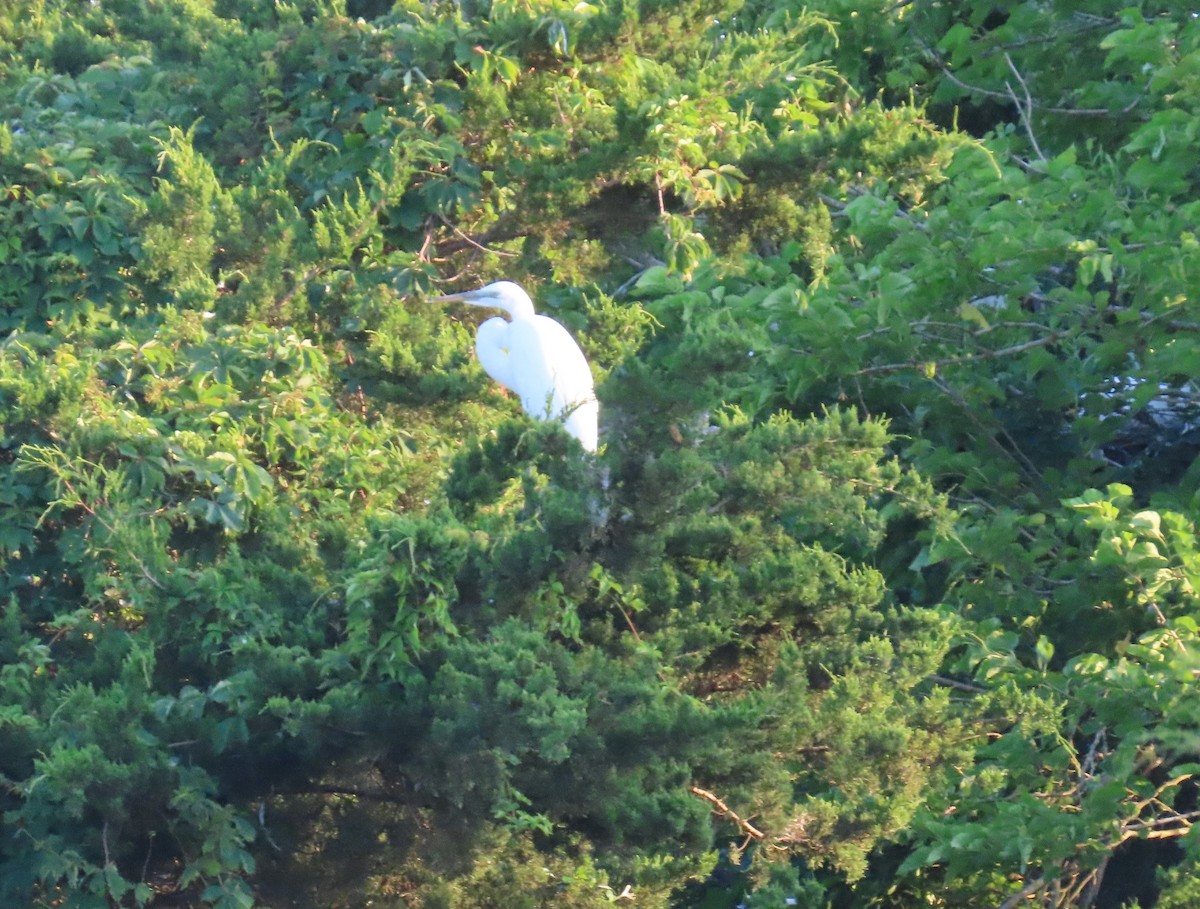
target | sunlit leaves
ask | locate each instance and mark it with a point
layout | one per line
(284, 576)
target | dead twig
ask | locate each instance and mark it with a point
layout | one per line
(1026, 109)
(471, 242)
(955, 683)
(1024, 893)
(728, 812)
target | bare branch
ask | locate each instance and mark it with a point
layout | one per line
(1095, 754)
(1026, 109)
(1041, 108)
(1089, 23)
(728, 812)
(961, 686)
(955, 361)
(262, 823)
(1024, 893)
(476, 244)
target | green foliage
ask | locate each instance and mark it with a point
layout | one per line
(882, 588)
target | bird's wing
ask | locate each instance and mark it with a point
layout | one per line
(550, 372)
(493, 348)
(583, 423)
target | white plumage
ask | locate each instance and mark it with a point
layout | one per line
(537, 359)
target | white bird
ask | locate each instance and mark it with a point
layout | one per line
(535, 357)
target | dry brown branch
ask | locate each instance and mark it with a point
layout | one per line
(728, 812)
(475, 243)
(1024, 893)
(629, 622)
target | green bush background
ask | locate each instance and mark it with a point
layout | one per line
(882, 590)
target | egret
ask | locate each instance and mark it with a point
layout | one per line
(536, 358)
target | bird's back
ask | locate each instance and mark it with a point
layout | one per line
(552, 377)
(584, 424)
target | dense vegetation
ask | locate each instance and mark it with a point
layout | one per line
(882, 590)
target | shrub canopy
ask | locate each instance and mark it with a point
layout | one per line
(882, 587)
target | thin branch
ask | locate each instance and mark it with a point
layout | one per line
(426, 241)
(1024, 893)
(1157, 829)
(1043, 108)
(1156, 799)
(1169, 784)
(1013, 450)
(629, 621)
(496, 233)
(112, 531)
(1186, 817)
(476, 244)
(1173, 833)
(262, 823)
(919, 328)
(149, 852)
(1095, 754)
(961, 686)
(726, 811)
(1096, 22)
(1086, 886)
(1026, 109)
(965, 358)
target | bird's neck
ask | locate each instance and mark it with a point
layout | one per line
(521, 309)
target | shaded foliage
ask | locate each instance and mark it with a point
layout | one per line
(881, 589)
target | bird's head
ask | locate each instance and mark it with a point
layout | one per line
(503, 295)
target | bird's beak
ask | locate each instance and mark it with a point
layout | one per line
(474, 297)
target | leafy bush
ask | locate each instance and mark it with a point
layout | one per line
(881, 589)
